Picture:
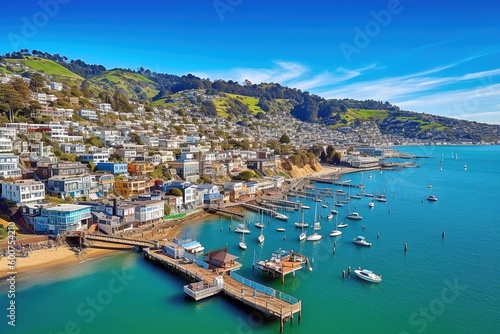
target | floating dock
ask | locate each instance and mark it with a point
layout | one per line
(283, 263)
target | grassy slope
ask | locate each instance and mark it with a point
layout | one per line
(49, 67)
(250, 101)
(424, 125)
(127, 81)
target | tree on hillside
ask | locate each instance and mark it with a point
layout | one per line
(175, 191)
(37, 82)
(246, 175)
(284, 139)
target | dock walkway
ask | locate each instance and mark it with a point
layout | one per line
(209, 282)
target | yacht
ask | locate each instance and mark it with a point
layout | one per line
(241, 228)
(280, 229)
(330, 216)
(314, 237)
(324, 206)
(360, 240)
(368, 275)
(259, 225)
(341, 225)
(339, 204)
(465, 167)
(354, 215)
(301, 224)
(305, 207)
(334, 212)
(381, 198)
(432, 198)
(336, 232)
(357, 196)
(317, 200)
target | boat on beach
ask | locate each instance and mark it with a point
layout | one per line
(368, 275)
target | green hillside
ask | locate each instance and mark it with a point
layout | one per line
(133, 84)
(250, 101)
(49, 67)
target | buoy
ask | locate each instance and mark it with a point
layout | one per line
(364, 227)
(378, 235)
(335, 243)
(349, 270)
(284, 238)
(406, 246)
(442, 235)
(343, 273)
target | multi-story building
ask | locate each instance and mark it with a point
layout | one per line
(132, 187)
(188, 191)
(91, 115)
(95, 157)
(9, 168)
(23, 191)
(63, 168)
(6, 144)
(208, 194)
(72, 185)
(113, 167)
(189, 170)
(148, 212)
(62, 217)
(140, 168)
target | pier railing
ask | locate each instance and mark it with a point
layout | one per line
(193, 258)
(264, 289)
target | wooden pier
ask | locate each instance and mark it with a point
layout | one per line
(211, 281)
(271, 212)
(283, 263)
(224, 211)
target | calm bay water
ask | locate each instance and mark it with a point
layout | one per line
(448, 285)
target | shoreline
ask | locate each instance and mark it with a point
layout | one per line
(47, 259)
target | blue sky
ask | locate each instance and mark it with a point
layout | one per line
(439, 57)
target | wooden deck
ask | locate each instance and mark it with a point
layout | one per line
(210, 282)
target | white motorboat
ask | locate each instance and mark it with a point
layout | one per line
(317, 200)
(368, 275)
(280, 229)
(371, 204)
(465, 167)
(324, 206)
(241, 228)
(338, 204)
(302, 236)
(301, 224)
(432, 198)
(354, 216)
(334, 212)
(342, 225)
(305, 207)
(259, 225)
(360, 240)
(199, 249)
(357, 196)
(314, 237)
(330, 216)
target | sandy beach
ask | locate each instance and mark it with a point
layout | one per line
(62, 256)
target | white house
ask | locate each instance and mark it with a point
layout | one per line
(8, 166)
(91, 115)
(23, 191)
(5, 145)
(56, 86)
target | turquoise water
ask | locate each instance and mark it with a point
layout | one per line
(448, 285)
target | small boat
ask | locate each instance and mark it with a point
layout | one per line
(280, 229)
(340, 191)
(339, 204)
(368, 275)
(261, 237)
(330, 216)
(429, 186)
(317, 200)
(341, 225)
(368, 195)
(301, 224)
(324, 206)
(360, 240)
(334, 212)
(242, 242)
(314, 237)
(302, 236)
(346, 201)
(354, 215)
(370, 175)
(336, 232)
(241, 228)
(259, 225)
(357, 196)
(371, 204)
(381, 198)
(305, 207)
(465, 167)
(317, 226)
(432, 198)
